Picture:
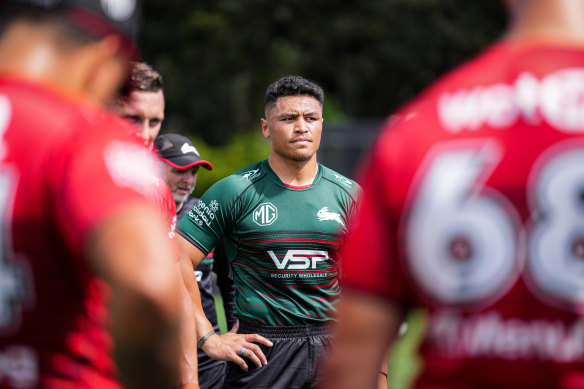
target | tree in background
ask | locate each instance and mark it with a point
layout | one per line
(218, 56)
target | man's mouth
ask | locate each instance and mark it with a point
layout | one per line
(300, 140)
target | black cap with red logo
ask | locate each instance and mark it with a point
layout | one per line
(179, 151)
(98, 17)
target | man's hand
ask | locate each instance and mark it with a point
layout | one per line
(227, 347)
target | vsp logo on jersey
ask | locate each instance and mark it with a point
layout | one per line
(299, 259)
(265, 214)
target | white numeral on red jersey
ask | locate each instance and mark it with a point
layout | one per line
(464, 242)
(13, 277)
(556, 247)
(5, 115)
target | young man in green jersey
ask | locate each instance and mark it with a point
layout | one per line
(281, 221)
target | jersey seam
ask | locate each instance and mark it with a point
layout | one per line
(340, 186)
(195, 243)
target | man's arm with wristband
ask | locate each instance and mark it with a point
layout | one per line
(226, 347)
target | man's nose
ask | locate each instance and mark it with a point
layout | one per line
(301, 125)
(142, 131)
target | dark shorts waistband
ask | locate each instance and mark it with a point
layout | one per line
(298, 331)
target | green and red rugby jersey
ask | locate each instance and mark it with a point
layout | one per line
(281, 241)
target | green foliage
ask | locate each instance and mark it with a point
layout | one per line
(218, 56)
(243, 150)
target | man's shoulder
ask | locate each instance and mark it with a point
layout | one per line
(235, 185)
(242, 179)
(340, 181)
(250, 173)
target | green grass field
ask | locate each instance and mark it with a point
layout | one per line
(403, 363)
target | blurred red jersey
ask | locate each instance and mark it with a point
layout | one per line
(65, 168)
(473, 208)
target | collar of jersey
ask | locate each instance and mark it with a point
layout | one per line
(274, 177)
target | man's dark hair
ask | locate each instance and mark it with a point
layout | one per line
(76, 22)
(67, 34)
(142, 78)
(292, 86)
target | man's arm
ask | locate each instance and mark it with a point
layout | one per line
(188, 363)
(226, 347)
(365, 329)
(382, 376)
(133, 255)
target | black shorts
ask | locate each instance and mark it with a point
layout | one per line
(213, 377)
(293, 360)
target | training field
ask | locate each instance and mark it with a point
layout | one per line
(402, 362)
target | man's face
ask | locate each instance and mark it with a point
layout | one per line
(294, 127)
(145, 110)
(180, 181)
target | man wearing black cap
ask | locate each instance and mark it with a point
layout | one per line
(75, 226)
(180, 166)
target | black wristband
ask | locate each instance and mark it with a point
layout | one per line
(204, 338)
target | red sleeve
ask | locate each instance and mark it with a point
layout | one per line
(99, 175)
(370, 252)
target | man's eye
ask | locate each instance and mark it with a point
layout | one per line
(134, 119)
(154, 122)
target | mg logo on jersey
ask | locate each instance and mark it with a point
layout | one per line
(299, 259)
(265, 214)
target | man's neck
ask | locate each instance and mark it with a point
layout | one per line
(294, 173)
(178, 206)
(557, 21)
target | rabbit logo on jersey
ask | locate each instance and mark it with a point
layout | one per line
(324, 214)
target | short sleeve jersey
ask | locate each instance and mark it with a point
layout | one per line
(280, 241)
(66, 167)
(473, 208)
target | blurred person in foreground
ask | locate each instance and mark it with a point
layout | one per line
(180, 162)
(473, 210)
(75, 230)
(281, 220)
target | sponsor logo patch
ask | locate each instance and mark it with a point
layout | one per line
(250, 174)
(130, 166)
(343, 180)
(203, 213)
(265, 214)
(299, 259)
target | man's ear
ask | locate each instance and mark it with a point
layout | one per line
(265, 129)
(107, 70)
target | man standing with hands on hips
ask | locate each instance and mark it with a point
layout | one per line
(281, 221)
